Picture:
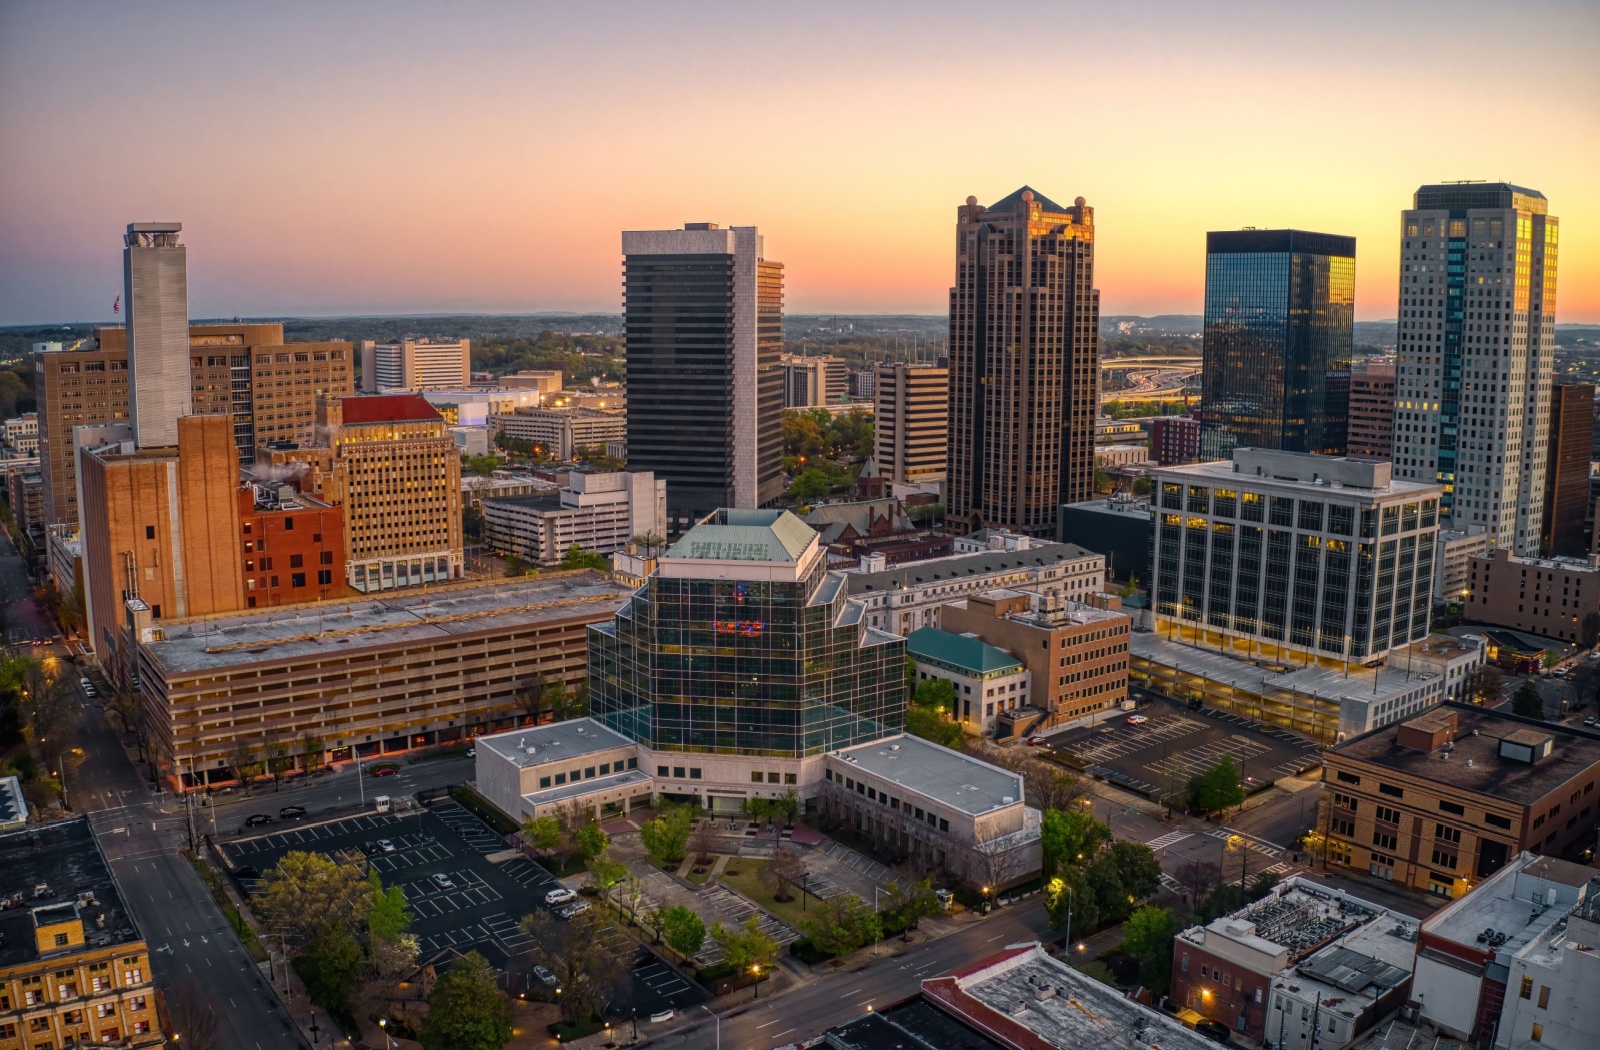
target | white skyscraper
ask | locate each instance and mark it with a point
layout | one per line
(1476, 345)
(155, 290)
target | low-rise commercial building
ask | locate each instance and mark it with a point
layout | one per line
(1077, 655)
(1304, 967)
(984, 677)
(73, 969)
(1544, 596)
(1114, 457)
(503, 485)
(577, 765)
(912, 594)
(1448, 798)
(1454, 554)
(562, 430)
(349, 679)
(461, 408)
(598, 512)
(1516, 962)
(1174, 440)
(1119, 527)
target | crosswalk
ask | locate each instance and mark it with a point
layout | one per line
(1266, 849)
(1171, 838)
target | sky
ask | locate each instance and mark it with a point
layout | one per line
(371, 158)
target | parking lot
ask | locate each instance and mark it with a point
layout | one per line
(1175, 745)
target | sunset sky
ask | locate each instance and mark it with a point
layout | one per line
(343, 158)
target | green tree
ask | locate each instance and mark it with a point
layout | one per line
(909, 902)
(332, 967)
(1482, 684)
(1137, 868)
(588, 968)
(937, 694)
(1112, 900)
(1218, 788)
(745, 945)
(842, 924)
(390, 915)
(575, 557)
(812, 483)
(482, 466)
(1223, 900)
(590, 840)
(682, 929)
(930, 725)
(666, 838)
(1070, 839)
(542, 833)
(604, 873)
(1070, 902)
(466, 1010)
(305, 893)
(1099, 971)
(1147, 937)
(516, 567)
(1526, 701)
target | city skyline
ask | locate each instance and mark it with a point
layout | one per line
(486, 174)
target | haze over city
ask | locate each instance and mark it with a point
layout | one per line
(414, 158)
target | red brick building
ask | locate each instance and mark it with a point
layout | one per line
(1174, 440)
(291, 545)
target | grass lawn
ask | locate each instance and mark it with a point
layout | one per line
(748, 882)
(700, 879)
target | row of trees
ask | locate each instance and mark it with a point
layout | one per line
(37, 711)
(1091, 880)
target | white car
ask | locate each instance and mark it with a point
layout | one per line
(386, 846)
(442, 881)
(1137, 720)
(575, 908)
(559, 896)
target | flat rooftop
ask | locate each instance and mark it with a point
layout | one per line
(1328, 475)
(1040, 554)
(1030, 999)
(1330, 683)
(937, 772)
(1475, 764)
(553, 742)
(578, 789)
(1295, 918)
(382, 621)
(1513, 903)
(1070, 614)
(59, 866)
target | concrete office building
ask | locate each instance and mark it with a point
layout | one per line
(1545, 596)
(1283, 552)
(598, 512)
(1279, 324)
(1371, 412)
(74, 971)
(812, 381)
(414, 365)
(1076, 654)
(1515, 963)
(1566, 490)
(1454, 555)
(1024, 365)
(1306, 966)
(1476, 346)
(396, 474)
(543, 381)
(911, 423)
(84, 384)
(703, 314)
(912, 594)
(463, 408)
(354, 679)
(22, 433)
(155, 291)
(984, 676)
(563, 431)
(26, 493)
(1445, 800)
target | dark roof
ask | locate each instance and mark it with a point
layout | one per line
(1475, 764)
(63, 857)
(1014, 202)
(1252, 242)
(388, 408)
(959, 651)
(962, 566)
(914, 1025)
(537, 501)
(1464, 195)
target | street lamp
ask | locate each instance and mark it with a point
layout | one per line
(388, 1041)
(755, 970)
(708, 1010)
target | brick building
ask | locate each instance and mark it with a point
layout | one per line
(1371, 429)
(1543, 596)
(1174, 440)
(1445, 799)
(291, 545)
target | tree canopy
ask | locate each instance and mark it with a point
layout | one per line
(466, 1010)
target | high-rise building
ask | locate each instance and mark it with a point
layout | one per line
(911, 422)
(812, 381)
(416, 364)
(1476, 346)
(598, 512)
(77, 385)
(1279, 317)
(1566, 489)
(703, 315)
(1371, 413)
(394, 469)
(155, 290)
(1024, 363)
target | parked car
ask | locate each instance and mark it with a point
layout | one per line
(1036, 741)
(385, 846)
(1213, 1030)
(291, 811)
(559, 895)
(545, 976)
(384, 771)
(575, 908)
(472, 752)
(1591, 721)
(248, 872)
(442, 881)
(1137, 720)
(255, 819)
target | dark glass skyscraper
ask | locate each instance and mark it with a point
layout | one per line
(1279, 316)
(703, 316)
(742, 643)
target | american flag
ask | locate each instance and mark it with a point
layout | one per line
(116, 305)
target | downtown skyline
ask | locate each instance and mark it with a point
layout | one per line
(405, 159)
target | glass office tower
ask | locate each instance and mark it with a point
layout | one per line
(743, 643)
(1279, 316)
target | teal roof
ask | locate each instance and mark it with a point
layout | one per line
(959, 652)
(734, 534)
(1013, 202)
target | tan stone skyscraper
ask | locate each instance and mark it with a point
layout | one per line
(1024, 362)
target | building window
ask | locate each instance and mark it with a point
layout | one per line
(1391, 790)
(1348, 778)
(588, 773)
(1544, 997)
(1537, 1035)
(677, 772)
(149, 532)
(1451, 807)
(1497, 821)
(661, 771)
(544, 782)
(772, 778)
(1526, 991)
(561, 778)
(694, 772)
(297, 579)
(633, 763)
(791, 778)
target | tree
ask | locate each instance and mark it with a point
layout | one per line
(243, 760)
(1051, 786)
(541, 833)
(682, 929)
(588, 970)
(1112, 899)
(1099, 971)
(633, 895)
(194, 1019)
(1198, 877)
(1070, 838)
(1070, 902)
(604, 873)
(782, 872)
(307, 892)
(273, 754)
(813, 483)
(929, 724)
(1526, 701)
(842, 924)
(483, 466)
(650, 543)
(1218, 788)
(466, 1010)
(1137, 868)
(745, 946)
(590, 840)
(937, 694)
(666, 837)
(392, 960)
(908, 903)
(517, 566)
(331, 967)
(390, 916)
(312, 747)
(1224, 900)
(1482, 684)
(1147, 936)
(703, 842)
(575, 557)
(1262, 884)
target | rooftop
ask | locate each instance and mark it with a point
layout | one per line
(1297, 918)
(1048, 614)
(586, 786)
(1366, 479)
(733, 534)
(1013, 201)
(1514, 906)
(388, 408)
(1474, 763)
(58, 865)
(298, 632)
(913, 1025)
(1039, 555)
(552, 742)
(957, 651)
(13, 807)
(937, 772)
(1330, 683)
(1025, 998)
